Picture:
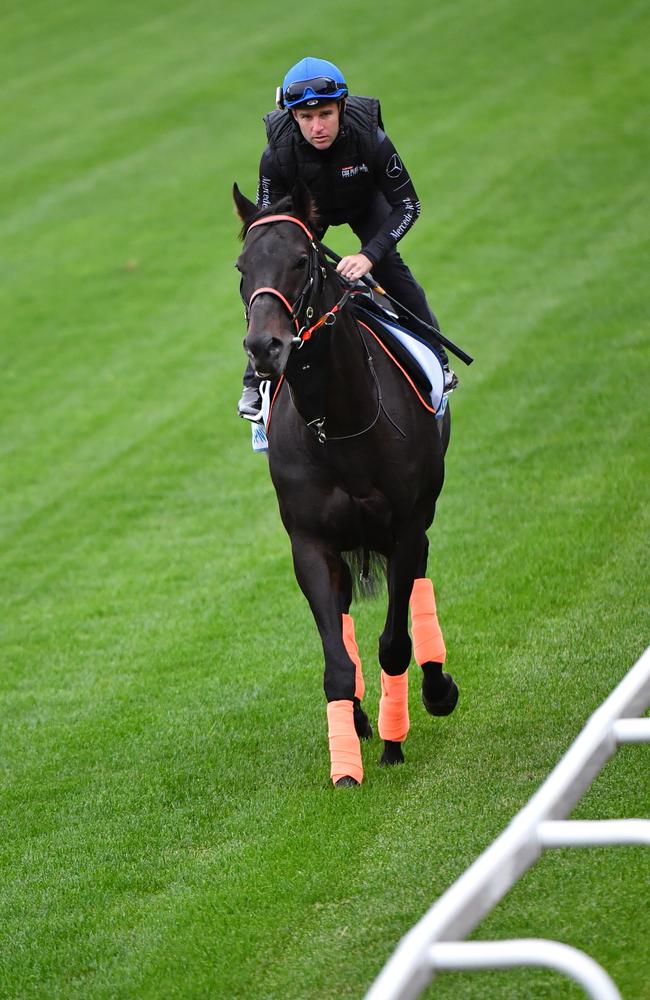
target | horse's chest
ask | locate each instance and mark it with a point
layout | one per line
(345, 505)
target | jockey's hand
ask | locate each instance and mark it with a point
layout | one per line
(354, 267)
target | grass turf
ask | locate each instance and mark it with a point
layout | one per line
(168, 824)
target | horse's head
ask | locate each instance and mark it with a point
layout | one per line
(278, 266)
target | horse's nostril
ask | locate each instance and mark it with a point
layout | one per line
(275, 347)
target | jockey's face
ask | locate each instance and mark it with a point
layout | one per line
(320, 124)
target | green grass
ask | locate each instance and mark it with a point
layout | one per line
(168, 825)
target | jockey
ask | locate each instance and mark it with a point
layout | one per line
(336, 143)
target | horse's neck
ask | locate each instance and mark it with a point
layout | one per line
(330, 377)
(348, 354)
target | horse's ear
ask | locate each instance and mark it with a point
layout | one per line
(303, 204)
(245, 209)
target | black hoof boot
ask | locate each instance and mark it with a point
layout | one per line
(392, 754)
(441, 705)
(361, 722)
(346, 782)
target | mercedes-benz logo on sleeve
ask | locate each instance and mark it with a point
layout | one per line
(394, 166)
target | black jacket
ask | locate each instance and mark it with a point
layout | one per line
(345, 179)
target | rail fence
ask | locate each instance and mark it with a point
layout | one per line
(436, 943)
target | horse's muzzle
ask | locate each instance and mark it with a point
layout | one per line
(268, 354)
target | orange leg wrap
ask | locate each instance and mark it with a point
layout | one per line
(428, 644)
(353, 653)
(345, 749)
(394, 707)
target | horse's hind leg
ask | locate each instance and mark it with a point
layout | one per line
(439, 691)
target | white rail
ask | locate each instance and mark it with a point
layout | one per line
(436, 942)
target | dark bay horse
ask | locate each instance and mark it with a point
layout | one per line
(357, 464)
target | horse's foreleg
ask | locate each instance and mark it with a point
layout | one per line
(321, 575)
(439, 691)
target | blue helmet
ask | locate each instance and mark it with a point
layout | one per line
(310, 81)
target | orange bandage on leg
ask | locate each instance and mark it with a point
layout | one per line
(345, 749)
(394, 707)
(428, 644)
(353, 653)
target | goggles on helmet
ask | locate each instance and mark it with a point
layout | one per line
(318, 88)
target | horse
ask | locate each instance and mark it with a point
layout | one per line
(357, 464)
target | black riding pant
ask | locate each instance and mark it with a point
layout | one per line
(391, 273)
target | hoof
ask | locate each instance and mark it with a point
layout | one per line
(392, 754)
(362, 723)
(444, 705)
(346, 782)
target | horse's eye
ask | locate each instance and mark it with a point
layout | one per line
(301, 263)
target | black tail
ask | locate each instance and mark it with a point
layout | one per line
(368, 571)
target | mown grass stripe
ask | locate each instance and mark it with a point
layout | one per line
(169, 825)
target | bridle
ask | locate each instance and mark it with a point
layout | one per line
(302, 311)
(317, 274)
